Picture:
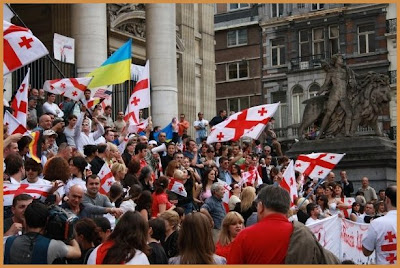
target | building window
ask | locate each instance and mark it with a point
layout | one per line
(278, 51)
(333, 39)
(313, 90)
(232, 7)
(366, 38)
(276, 10)
(297, 105)
(237, 70)
(304, 45)
(281, 114)
(238, 104)
(237, 37)
(300, 6)
(318, 41)
(317, 6)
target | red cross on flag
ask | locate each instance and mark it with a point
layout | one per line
(177, 187)
(20, 47)
(106, 179)
(140, 97)
(247, 123)
(137, 128)
(20, 101)
(35, 190)
(317, 165)
(72, 88)
(289, 183)
(14, 126)
(249, 178)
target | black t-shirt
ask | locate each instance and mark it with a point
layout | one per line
(96, 165)
(157, 254)
(7, 224)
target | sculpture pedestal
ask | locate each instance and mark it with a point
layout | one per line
(370, 156)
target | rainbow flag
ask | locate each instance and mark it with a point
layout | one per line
(115, 70)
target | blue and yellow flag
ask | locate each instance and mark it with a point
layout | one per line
(115, 70)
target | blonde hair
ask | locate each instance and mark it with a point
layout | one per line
(247, 197)
(304, 205)
(112, 147)
(172, 217)
(118, 167)
(178, 174)
(231, 218)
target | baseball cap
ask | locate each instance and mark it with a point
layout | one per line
(101, 117)
(57, 120)
(49, 132)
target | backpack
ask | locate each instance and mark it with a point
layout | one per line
(60, 224)
(38, 249)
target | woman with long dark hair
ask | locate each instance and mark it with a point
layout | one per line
(207, 180)
(196, 247)
(160, 197)
(144, 204)
(236, 173)
(77, 166)
(88, 237)
(127, 244)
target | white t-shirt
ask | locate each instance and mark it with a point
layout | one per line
(382, 237)
(70, 135)
(311, 221)
(53, 109)
(139, 258)
(39, 181)
(197, 123)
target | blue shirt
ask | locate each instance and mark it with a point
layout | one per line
(216, 209)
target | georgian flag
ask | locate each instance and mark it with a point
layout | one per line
(289, 183)
(137, 128)
(14, 126)
(347, 201)
(227, 194)
(140, 97)
(35, 190)
(177, 187)
(247, 123)
(317, 165)
(72, 88)
(106, 179)
(20, 101)
(20, 47)
(249, 178)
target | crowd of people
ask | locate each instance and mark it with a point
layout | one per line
(141, 219)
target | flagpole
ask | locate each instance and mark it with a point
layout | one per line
(23, 23)
(315, 187)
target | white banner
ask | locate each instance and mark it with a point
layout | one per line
(351, 242)
(343, 238)
(64, 48)
(327, 232)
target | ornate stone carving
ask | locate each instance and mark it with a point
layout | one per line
(129, 18)
(350, 100)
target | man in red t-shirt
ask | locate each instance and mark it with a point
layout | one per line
(267, 241)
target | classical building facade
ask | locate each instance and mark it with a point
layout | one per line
(182, 73)
(295, 39)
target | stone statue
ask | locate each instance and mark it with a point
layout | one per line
(353, 100)
(338, 79)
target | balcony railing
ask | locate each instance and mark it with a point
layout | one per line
(393, 77)
(391, 26)
(307, 62)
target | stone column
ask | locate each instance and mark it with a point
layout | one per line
(89, 29)
(161, 51)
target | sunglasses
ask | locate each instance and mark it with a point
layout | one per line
(30, 168)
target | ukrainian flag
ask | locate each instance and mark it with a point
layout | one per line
(115, 70)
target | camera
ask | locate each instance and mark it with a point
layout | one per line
(60, 224)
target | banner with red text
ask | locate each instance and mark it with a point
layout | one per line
(343, 238)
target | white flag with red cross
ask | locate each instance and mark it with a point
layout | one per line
(177, 187)
(247, 123)
(317, 165)
(140, 97)
(106, 179)
(137, 128)
(289, 183)
(250, 177)
(72, 88)
(20, 101)
(14, 126)
(20, 47)
(35, 190)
